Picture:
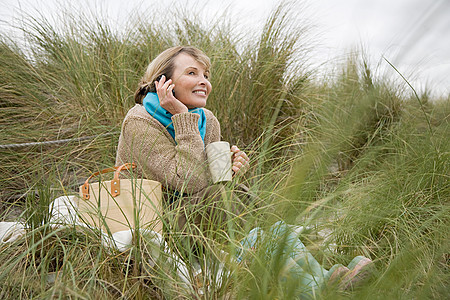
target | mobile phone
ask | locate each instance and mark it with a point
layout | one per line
(159, 78)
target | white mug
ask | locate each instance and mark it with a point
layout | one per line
(219, 160)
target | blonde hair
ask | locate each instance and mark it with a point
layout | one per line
(163, 64)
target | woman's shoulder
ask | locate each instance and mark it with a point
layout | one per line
(139, 115)
(212, 127)
(209, 115)
(138, 111)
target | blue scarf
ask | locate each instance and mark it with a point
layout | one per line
(152, 106)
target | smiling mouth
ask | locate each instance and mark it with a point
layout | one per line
(200, 93)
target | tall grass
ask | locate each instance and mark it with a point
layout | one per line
(362, 165)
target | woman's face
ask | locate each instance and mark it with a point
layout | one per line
(190, 78)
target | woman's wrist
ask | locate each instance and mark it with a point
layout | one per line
(185, 122)
(178, 110)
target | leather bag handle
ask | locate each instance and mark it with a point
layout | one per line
(115, 183)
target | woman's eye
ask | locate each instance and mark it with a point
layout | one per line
(191, 73)
(206, 76)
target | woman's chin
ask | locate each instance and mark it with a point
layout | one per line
(196, 104)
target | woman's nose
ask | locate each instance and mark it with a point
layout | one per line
(204, 83)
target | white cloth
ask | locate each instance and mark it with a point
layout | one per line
(11, 231)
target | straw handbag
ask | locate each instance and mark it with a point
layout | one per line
(121, 204)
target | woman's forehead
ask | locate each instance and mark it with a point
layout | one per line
(184, 61)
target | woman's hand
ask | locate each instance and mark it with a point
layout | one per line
(240, 161)
(166, 98)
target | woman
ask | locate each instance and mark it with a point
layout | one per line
(165, 135)
(166, 132)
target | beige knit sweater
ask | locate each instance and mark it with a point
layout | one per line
(178, 166)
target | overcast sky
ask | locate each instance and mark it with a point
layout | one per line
(412, 34)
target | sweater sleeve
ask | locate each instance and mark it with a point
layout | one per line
(180, 167)
(212, 128)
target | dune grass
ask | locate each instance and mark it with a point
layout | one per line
(354, 158)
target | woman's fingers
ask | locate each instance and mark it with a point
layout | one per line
(166, 98)
(167, 85)
(240, 160)
(238, 154)
(162, 87)
(239, 166)
(160, 83)
(234, 149)
(170, 89)
(243, 155)
(236, 166)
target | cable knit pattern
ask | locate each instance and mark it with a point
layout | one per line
(185, 124)
(179, 166)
